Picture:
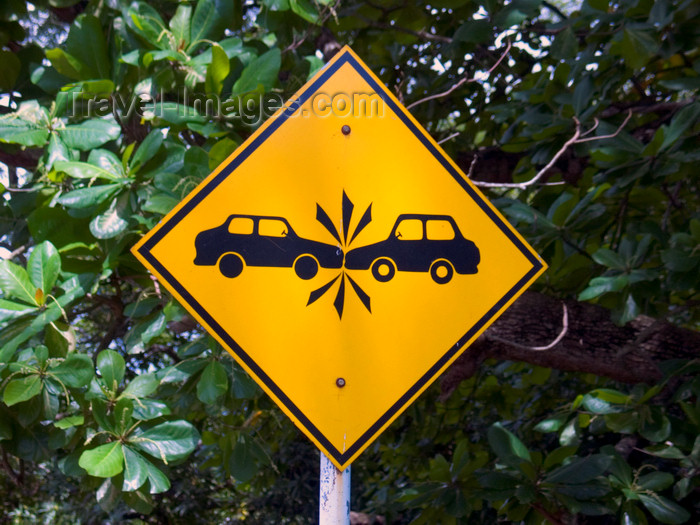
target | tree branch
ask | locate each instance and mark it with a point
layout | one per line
(577, 138)
(465, 80)
(592, 343)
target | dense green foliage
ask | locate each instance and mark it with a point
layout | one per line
(114, 405)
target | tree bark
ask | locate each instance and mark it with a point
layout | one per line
(592, 343)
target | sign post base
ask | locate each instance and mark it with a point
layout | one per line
(334, 494)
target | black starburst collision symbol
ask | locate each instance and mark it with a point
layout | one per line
(345, 244)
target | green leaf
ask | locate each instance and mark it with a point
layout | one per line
(104, 461)
(217, 71)
(261, 71)
(304, 9)
(147, 22)
(583, 92)
(212, 383)
(135, 471)
(656, 481)
(90, 134)
(10, 310)
(11, 65)
(16, 130)
(44, 266)
(552, 424)
(110, 223)
(15, 282)
(86, 43)
(180, 25)
(83, 170)
(509, 449)
(107, 495)
(76, 370)
(57, 151)
(609, 258)
(108, 161)
(168, 441)
(111, 366)
(210, 19)
(565, 44)
(70, 421)
(685, 118)
(242, 464)
(141, 386)
(139, 501)
(147, 149)
(637, 47)
(19, 390)
(88, 197)
(580, 470)
(601, 285)
(664, 510)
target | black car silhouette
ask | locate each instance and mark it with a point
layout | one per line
(418, 243)
(255, 240)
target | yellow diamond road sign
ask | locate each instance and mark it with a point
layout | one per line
(341, 258)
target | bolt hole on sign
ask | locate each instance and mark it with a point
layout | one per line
(341, 258)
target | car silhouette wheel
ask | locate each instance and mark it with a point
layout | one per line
(441, 271)
(306, 267)
(231, 265)
(383, 269)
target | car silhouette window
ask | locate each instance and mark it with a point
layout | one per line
(272, 228)
(439, 230)
(409, 230)
(241, 226)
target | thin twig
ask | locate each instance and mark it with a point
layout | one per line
(611, 135)
(564, 330)
(446, 139)
(578, 137)
(465, 80)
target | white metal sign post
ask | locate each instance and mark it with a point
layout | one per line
(334, 494)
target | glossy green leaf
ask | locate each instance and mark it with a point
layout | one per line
(210, 19)
(70, 421)
(180, 25)
(88, 197)
(507, 446)
(103, 461)
(86, 43)
(15, 282)
(664, 510)
(261, 71)
(75, 371)
(83, 170)
(580, 470)
(107, 495)
(141, 386)
(110, 223)
(111, 366)
(305, 9)
(16, 130)
(213, 383)
(168, 441)
(656, 481)
(89, 134)
(218, 70)
(135, 472)
(44, 266)
(147, 149)
(18, 390)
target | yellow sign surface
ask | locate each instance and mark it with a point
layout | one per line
(341, 258)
